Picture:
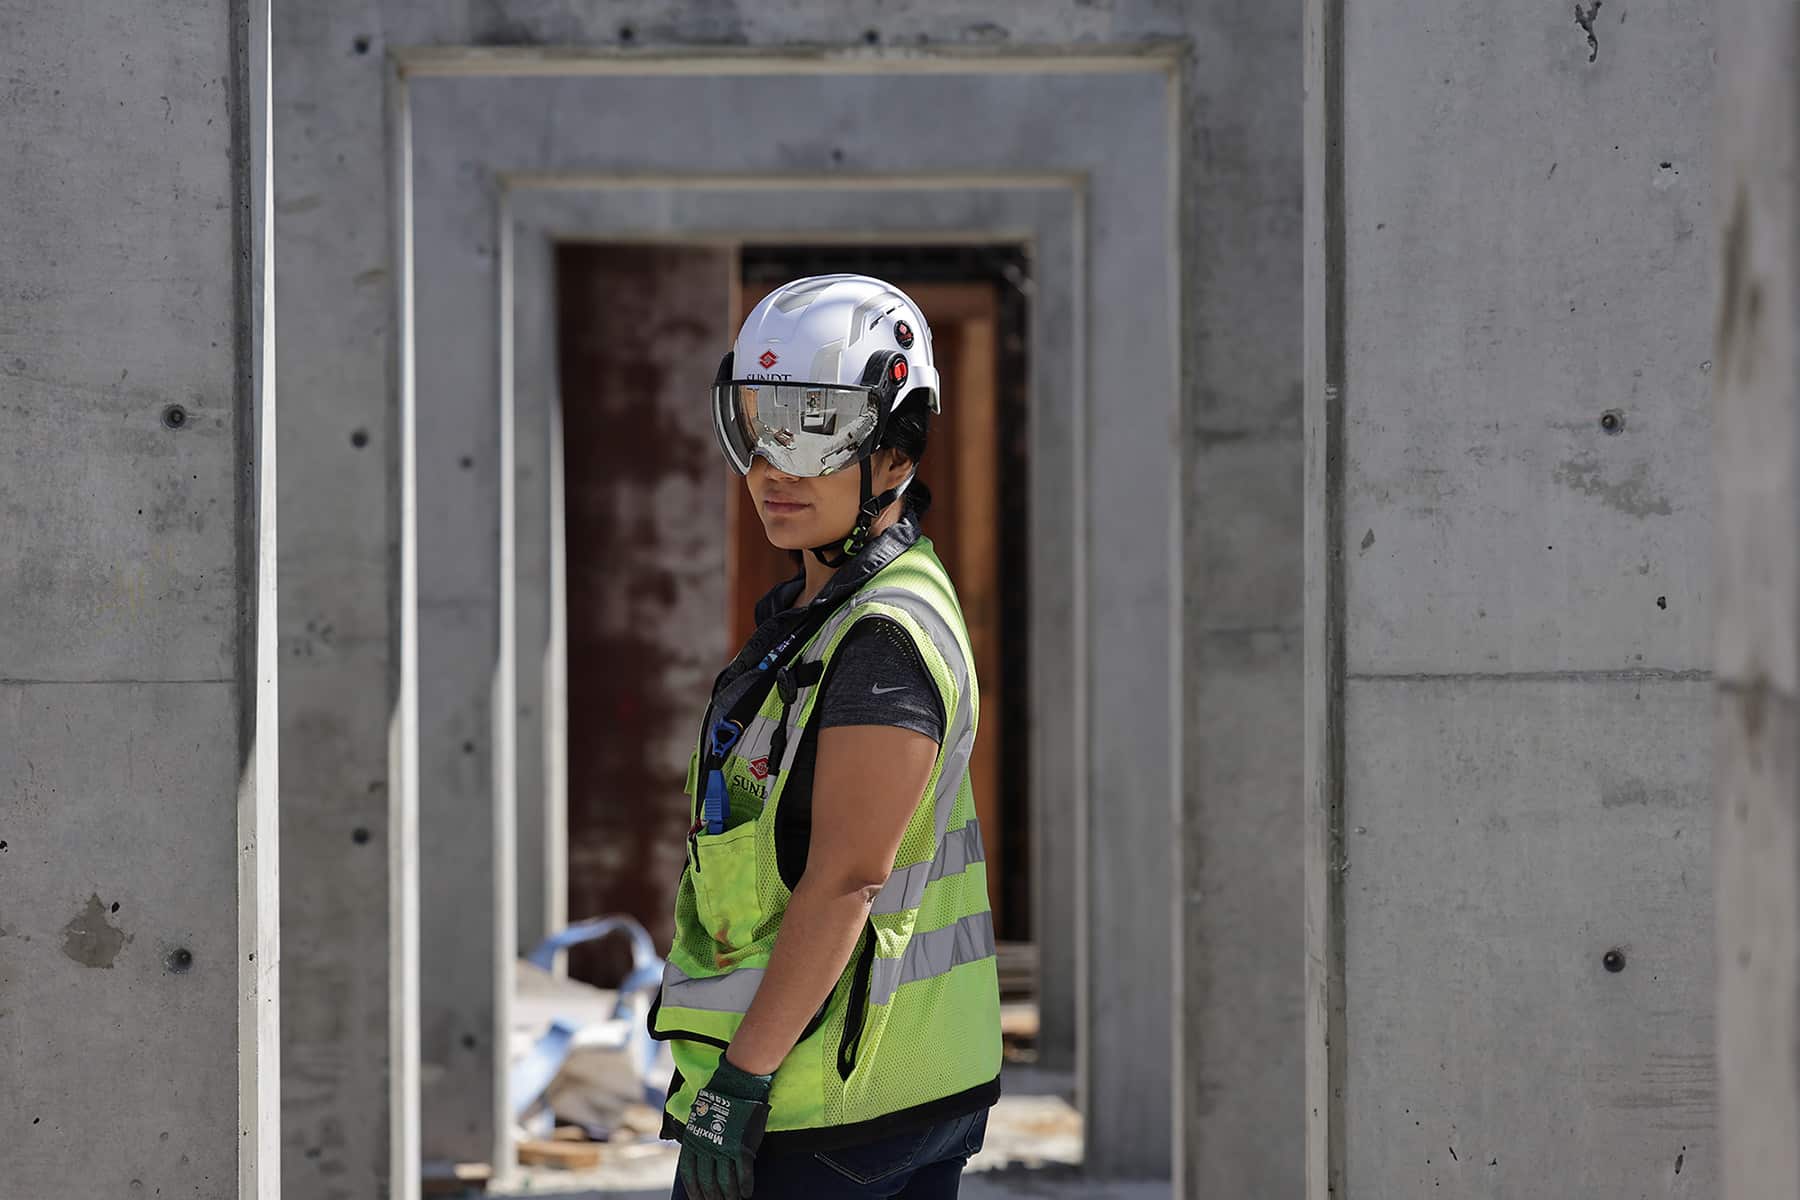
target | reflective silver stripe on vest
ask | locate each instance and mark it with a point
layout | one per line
(929, 955)
(730, 993)
(906, 888)
(760, 733)
(959, 739)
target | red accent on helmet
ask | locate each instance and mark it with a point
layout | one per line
(900, 370)
(769, 358)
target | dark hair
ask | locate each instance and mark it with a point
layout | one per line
(907, 431)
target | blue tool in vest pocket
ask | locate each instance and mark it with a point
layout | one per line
(713, 810)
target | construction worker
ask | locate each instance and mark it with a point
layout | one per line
(831, 998)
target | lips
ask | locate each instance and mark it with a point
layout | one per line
(783, 507)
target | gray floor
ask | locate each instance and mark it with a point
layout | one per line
(1034, 1148)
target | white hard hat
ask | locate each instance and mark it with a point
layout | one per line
(818, 368)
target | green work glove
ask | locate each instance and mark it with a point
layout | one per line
(718, 1147)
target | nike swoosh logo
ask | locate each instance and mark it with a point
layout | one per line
(881, 691)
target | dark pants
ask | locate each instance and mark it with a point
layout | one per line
(925, 1164)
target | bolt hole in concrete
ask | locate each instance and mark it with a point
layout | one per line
(360, 836)
(174, 416)
(627, 34)
(1612, 421)
(465, 462)
(1613, 960)
(362, 45)
(360, 438)
(1662, 602)
(181, 960)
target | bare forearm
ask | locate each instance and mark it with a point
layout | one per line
(817, 937)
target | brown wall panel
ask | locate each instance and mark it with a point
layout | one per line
(639, 336)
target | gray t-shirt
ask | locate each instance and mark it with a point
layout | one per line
(877, 678)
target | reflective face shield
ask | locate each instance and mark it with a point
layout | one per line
(802, 429)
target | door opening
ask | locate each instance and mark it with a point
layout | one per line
(666, 561)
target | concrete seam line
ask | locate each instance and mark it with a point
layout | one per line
(591, 181)
(1635, 675)
(503, 61)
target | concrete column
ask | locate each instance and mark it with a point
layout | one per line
(349, 1085)
(467, 683)
(1756, 773)
(1238, 998)
(138, 736)
(542, 849)
(1508, 362)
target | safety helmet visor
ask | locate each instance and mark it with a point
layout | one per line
(802, 429)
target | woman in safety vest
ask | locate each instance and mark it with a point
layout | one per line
(831, 998)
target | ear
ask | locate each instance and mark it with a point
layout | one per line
(893, 467)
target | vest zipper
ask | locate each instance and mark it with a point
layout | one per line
(856, 1013)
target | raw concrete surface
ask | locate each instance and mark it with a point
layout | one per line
(466, 686)
(1757, 599)
(1510, 380)
(345, 813)
(469, 131)
(1238, 297)
(138, 947)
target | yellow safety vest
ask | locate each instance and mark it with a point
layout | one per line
(911, 1033)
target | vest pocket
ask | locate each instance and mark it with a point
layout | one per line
(856, 1010)
(726, 898)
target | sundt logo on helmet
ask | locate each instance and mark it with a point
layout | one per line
(769, 358)
(903, 334)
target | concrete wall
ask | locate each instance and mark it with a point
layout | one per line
(1756, 770)
(138, 947)
(348, 1087)
(1508, 374)
(1101, 507)
(541, 580)
(1237, 291)
(1239, 993)
(467, 687)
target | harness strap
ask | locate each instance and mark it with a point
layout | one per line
(788, 683)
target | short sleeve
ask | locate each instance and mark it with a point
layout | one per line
(878, 678)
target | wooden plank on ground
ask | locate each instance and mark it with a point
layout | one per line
(573, 1156)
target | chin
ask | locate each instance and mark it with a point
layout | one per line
(784, 536)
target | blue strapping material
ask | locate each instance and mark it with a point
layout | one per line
(713, 806)
(528, 1080)
(532, 1075)
(724, 736)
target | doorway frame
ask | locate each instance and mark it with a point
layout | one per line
(1121, 496)
(1043, 215)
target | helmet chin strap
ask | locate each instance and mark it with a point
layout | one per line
(836, 554)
